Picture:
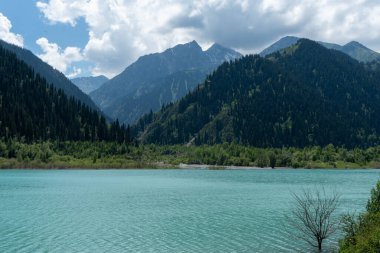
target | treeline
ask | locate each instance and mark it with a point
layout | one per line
(238, 155)
(33, 110)
(88, 154)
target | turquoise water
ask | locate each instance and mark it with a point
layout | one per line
(162, 210)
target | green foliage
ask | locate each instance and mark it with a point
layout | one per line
(114, 154)
(304, 96)
(373, 205)
(262, 160)
(272, 159)
(33, 110)
(362, 235)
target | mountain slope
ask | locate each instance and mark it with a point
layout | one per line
(90, 83)
(360, 52)
(157, 79)
(51, 75)
(279, 45)
(353, 49)
(35, 110)
(305, 95)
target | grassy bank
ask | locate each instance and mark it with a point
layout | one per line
(16, 154)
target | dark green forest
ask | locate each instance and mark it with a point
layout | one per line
(52, 76)
(305, 95)
(33, 110)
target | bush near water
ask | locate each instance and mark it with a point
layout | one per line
(86, 154)
(363, 232)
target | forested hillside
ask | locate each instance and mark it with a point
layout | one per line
(52, 75)
(305, 95)
(33, 110)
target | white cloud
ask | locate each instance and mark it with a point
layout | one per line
(76, 72)
(6, 34)
(64, 12)
(122, 30)
(58, 58)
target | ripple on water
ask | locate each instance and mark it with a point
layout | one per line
(160, 211)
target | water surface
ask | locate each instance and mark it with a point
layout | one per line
(162, 210)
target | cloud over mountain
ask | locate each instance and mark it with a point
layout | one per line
(122, 30)
(6, 34)
(58, 58)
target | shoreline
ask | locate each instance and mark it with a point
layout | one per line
(110, 155)
(157, 166)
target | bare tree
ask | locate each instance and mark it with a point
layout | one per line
(312, 216)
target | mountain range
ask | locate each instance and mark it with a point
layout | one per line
(297, 93)
(89, 84)
(353, 49)
(158, 79)
(51, 75)
(303, 95)
(161, 78)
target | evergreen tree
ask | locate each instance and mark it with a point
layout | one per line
(305, 95)
(31, 109)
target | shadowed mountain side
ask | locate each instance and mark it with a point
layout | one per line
(158, 79)
(301, 96)
(51, 75)
(89, 84)
(33, 110)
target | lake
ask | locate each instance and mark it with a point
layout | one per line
(162, 210)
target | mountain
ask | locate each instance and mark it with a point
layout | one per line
(89, 84)
(218, 54)
(353, 49)
(34, 110)
(302, 96)
(360, 52)
(158, 79)
(279, 45)
(51, 75)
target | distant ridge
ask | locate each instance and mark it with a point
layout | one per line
(279, 45)
(90, 83)
(158, 79)
(353, 49)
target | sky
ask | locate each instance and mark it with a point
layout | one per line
(102, 37)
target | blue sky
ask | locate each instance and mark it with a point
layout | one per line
(28, 21)
(93, 37)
